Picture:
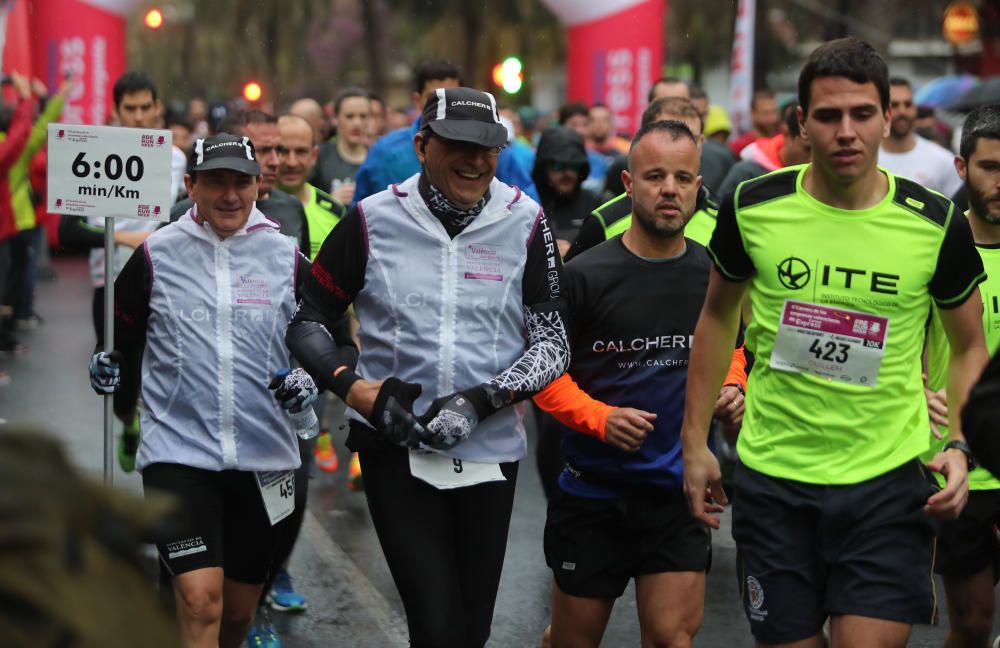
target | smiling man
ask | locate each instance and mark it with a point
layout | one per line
(841, 261)
(205, 337)
(392, 158)
(262, 129)
(457, 285)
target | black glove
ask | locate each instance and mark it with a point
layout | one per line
(450, 419)
(392, 414)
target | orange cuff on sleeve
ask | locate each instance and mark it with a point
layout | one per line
(573, 407)
(737, 369)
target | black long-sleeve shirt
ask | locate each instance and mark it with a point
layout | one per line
(338, 274)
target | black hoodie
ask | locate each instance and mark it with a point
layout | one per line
(565, 213)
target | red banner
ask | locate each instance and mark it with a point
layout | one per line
(614, 59)
(17, 44)
(75, 37)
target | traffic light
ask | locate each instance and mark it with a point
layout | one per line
(154, 18)
(252, 91)
(509, 75)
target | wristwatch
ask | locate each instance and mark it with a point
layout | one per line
(964, 447)
(497, 397)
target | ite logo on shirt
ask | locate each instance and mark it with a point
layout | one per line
(795, 274)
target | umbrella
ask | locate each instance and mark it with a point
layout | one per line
(987, 92)
(943, 90)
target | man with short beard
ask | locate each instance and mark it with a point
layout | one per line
(619, 511)
(966, 547)
(615, 216)
(907, 154)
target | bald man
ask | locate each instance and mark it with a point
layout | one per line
(669, 87)
(297, 155)
(310, 110)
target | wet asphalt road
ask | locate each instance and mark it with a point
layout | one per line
(337, 563)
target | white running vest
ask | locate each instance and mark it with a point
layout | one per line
(447, 313)
(215, 337)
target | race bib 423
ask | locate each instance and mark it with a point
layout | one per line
(842, 345)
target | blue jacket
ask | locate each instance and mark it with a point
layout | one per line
(392, 159)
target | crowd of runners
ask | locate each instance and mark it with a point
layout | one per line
(787, 320)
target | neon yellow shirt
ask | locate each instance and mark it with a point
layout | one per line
(323, 212)
(938, 351)
(839, 301)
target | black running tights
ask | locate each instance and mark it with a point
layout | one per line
(445, 548)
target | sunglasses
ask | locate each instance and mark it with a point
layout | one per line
(567, 166)
(465, 147)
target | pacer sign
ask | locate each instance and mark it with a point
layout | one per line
(109, 171)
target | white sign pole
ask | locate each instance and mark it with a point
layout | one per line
(109, 172)
(109, 346)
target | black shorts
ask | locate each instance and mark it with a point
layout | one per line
(808, 551)
(968, 545)
(222, 522)
(594, 546)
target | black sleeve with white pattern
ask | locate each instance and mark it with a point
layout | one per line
(545, 318)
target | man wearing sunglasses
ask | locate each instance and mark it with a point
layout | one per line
(561, 167)
(457, 284)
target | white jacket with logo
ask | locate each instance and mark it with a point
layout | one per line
(447, 313)
(214, 338)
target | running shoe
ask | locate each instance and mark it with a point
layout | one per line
(262, 633)
(354, 481)
(11, 347)
(128, 445)
(326, 456)
(29, 323)
(283, 596)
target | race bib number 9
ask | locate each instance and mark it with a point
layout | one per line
(842, 345)
(444, 473)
